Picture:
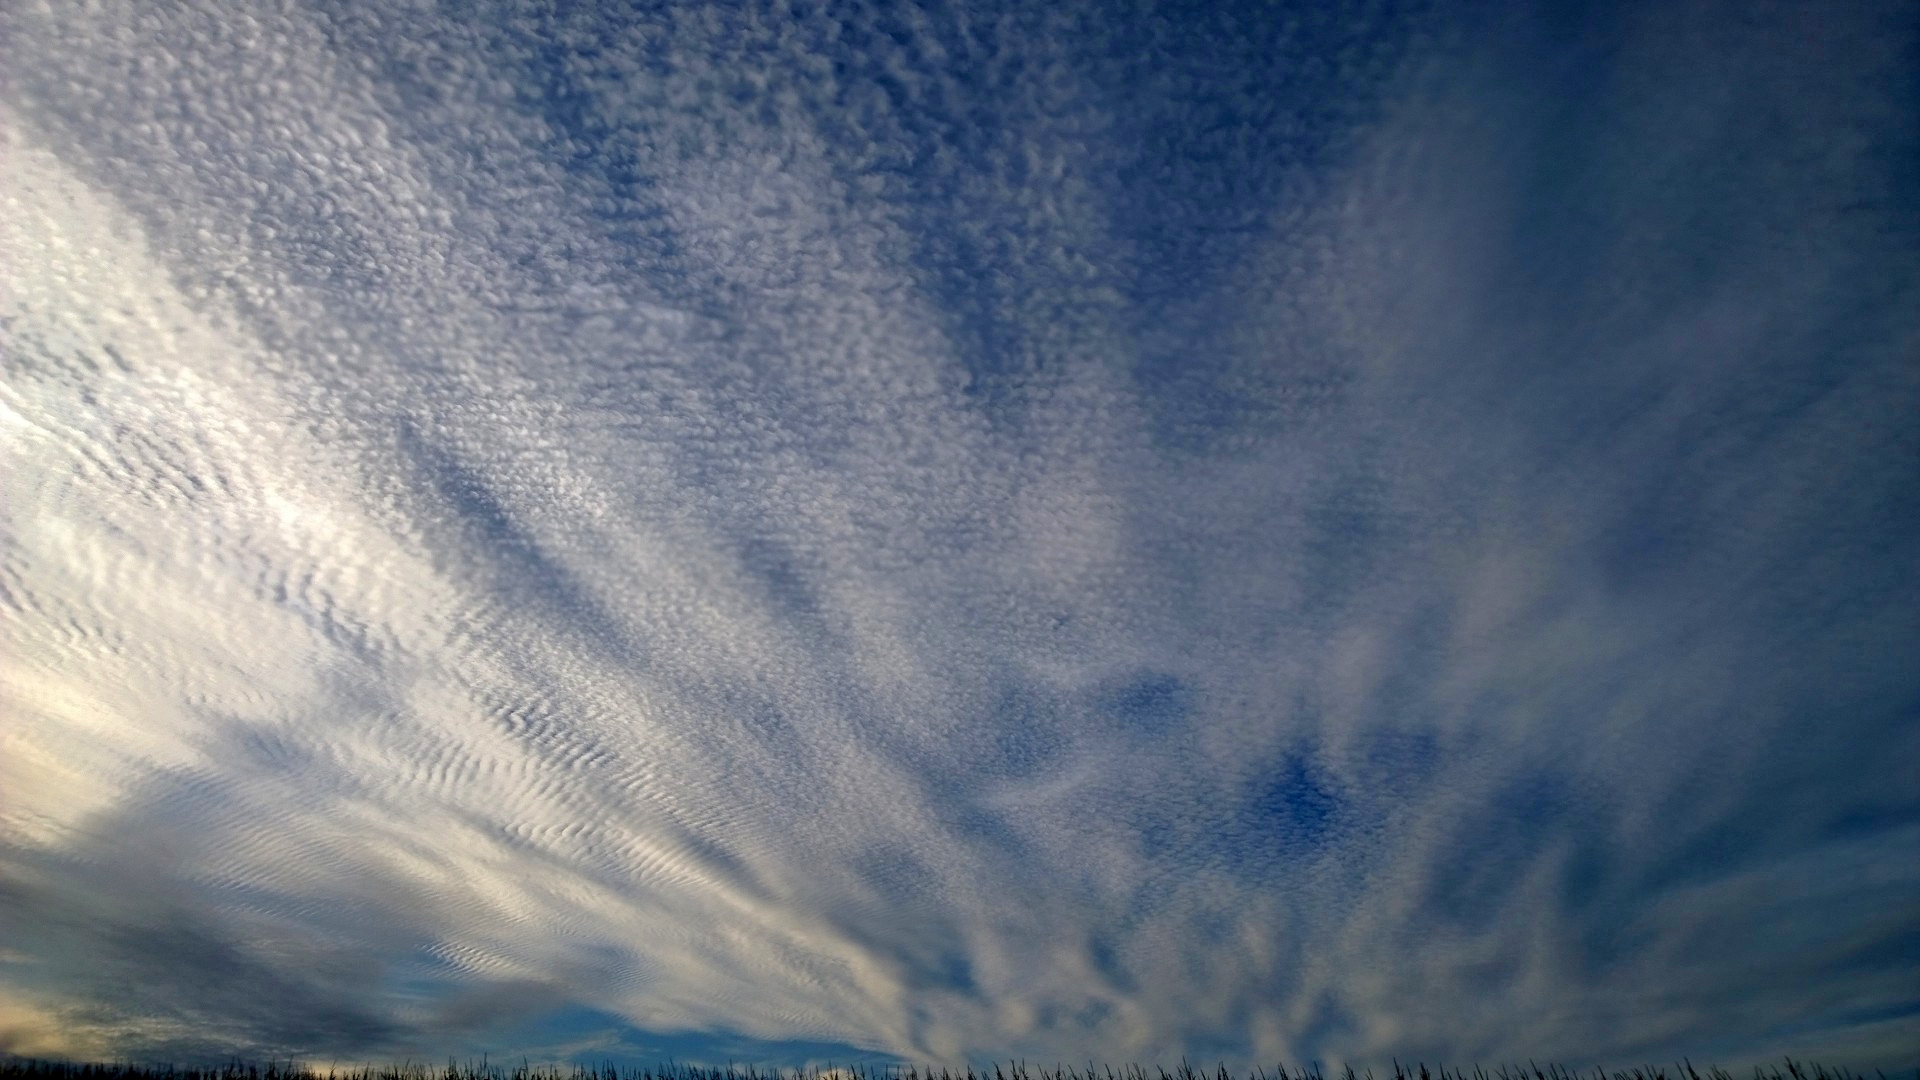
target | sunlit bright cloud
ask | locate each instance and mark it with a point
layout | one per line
(939, 532)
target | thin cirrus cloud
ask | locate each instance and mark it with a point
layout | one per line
(938, 531)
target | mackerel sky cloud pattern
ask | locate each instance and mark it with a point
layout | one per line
(935, 531)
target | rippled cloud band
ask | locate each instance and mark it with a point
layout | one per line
(940, 531)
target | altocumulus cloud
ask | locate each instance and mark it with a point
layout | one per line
(960, 530)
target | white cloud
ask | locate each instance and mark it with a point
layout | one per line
(715, 549)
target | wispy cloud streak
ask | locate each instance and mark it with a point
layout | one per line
(959, 531)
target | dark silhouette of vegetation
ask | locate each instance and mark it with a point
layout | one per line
(13, 1068)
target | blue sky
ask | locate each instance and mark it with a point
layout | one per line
(933, 532)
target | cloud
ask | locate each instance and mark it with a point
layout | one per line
(954, 533)
(31, 1031)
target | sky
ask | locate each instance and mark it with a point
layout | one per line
(941, 531)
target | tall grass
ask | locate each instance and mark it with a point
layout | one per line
(32, 1069)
